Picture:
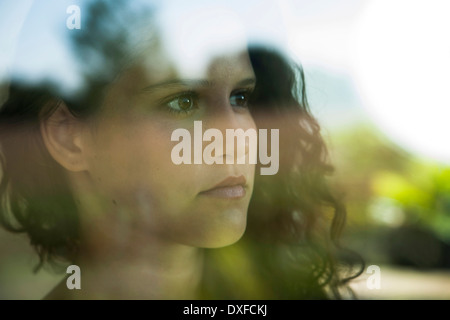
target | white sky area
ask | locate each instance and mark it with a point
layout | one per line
(386, 60)
(44, 53)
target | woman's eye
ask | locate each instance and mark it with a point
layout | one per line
(183, 103)
(240, 99)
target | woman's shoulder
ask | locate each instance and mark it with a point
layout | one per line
(60, 292)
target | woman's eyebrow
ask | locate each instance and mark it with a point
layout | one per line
(247, 82)
(191, 83)
(178, 83)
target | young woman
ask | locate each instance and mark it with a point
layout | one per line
(89, 176)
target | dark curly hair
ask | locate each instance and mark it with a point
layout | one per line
(295, 221)
(291, 246)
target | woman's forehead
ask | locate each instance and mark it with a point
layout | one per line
(159, 75)
(202, 40)
(192, 42)
(215, 69)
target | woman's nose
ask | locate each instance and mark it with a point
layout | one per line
(238, 131)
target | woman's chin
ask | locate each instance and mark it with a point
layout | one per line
(226, 239)
(220, 236)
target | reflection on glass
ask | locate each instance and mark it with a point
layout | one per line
(87, 169)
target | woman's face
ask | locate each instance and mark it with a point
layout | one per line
(129, 155)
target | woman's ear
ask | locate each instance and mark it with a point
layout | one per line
(63, 137)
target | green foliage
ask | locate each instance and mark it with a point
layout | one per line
(385, 185)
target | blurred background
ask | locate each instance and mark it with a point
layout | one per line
(377, 76)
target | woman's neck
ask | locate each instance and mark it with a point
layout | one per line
(145, 271)
(120, 258)
(158, 272)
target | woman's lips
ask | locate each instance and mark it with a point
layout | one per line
(230, 188)
(226, 192)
